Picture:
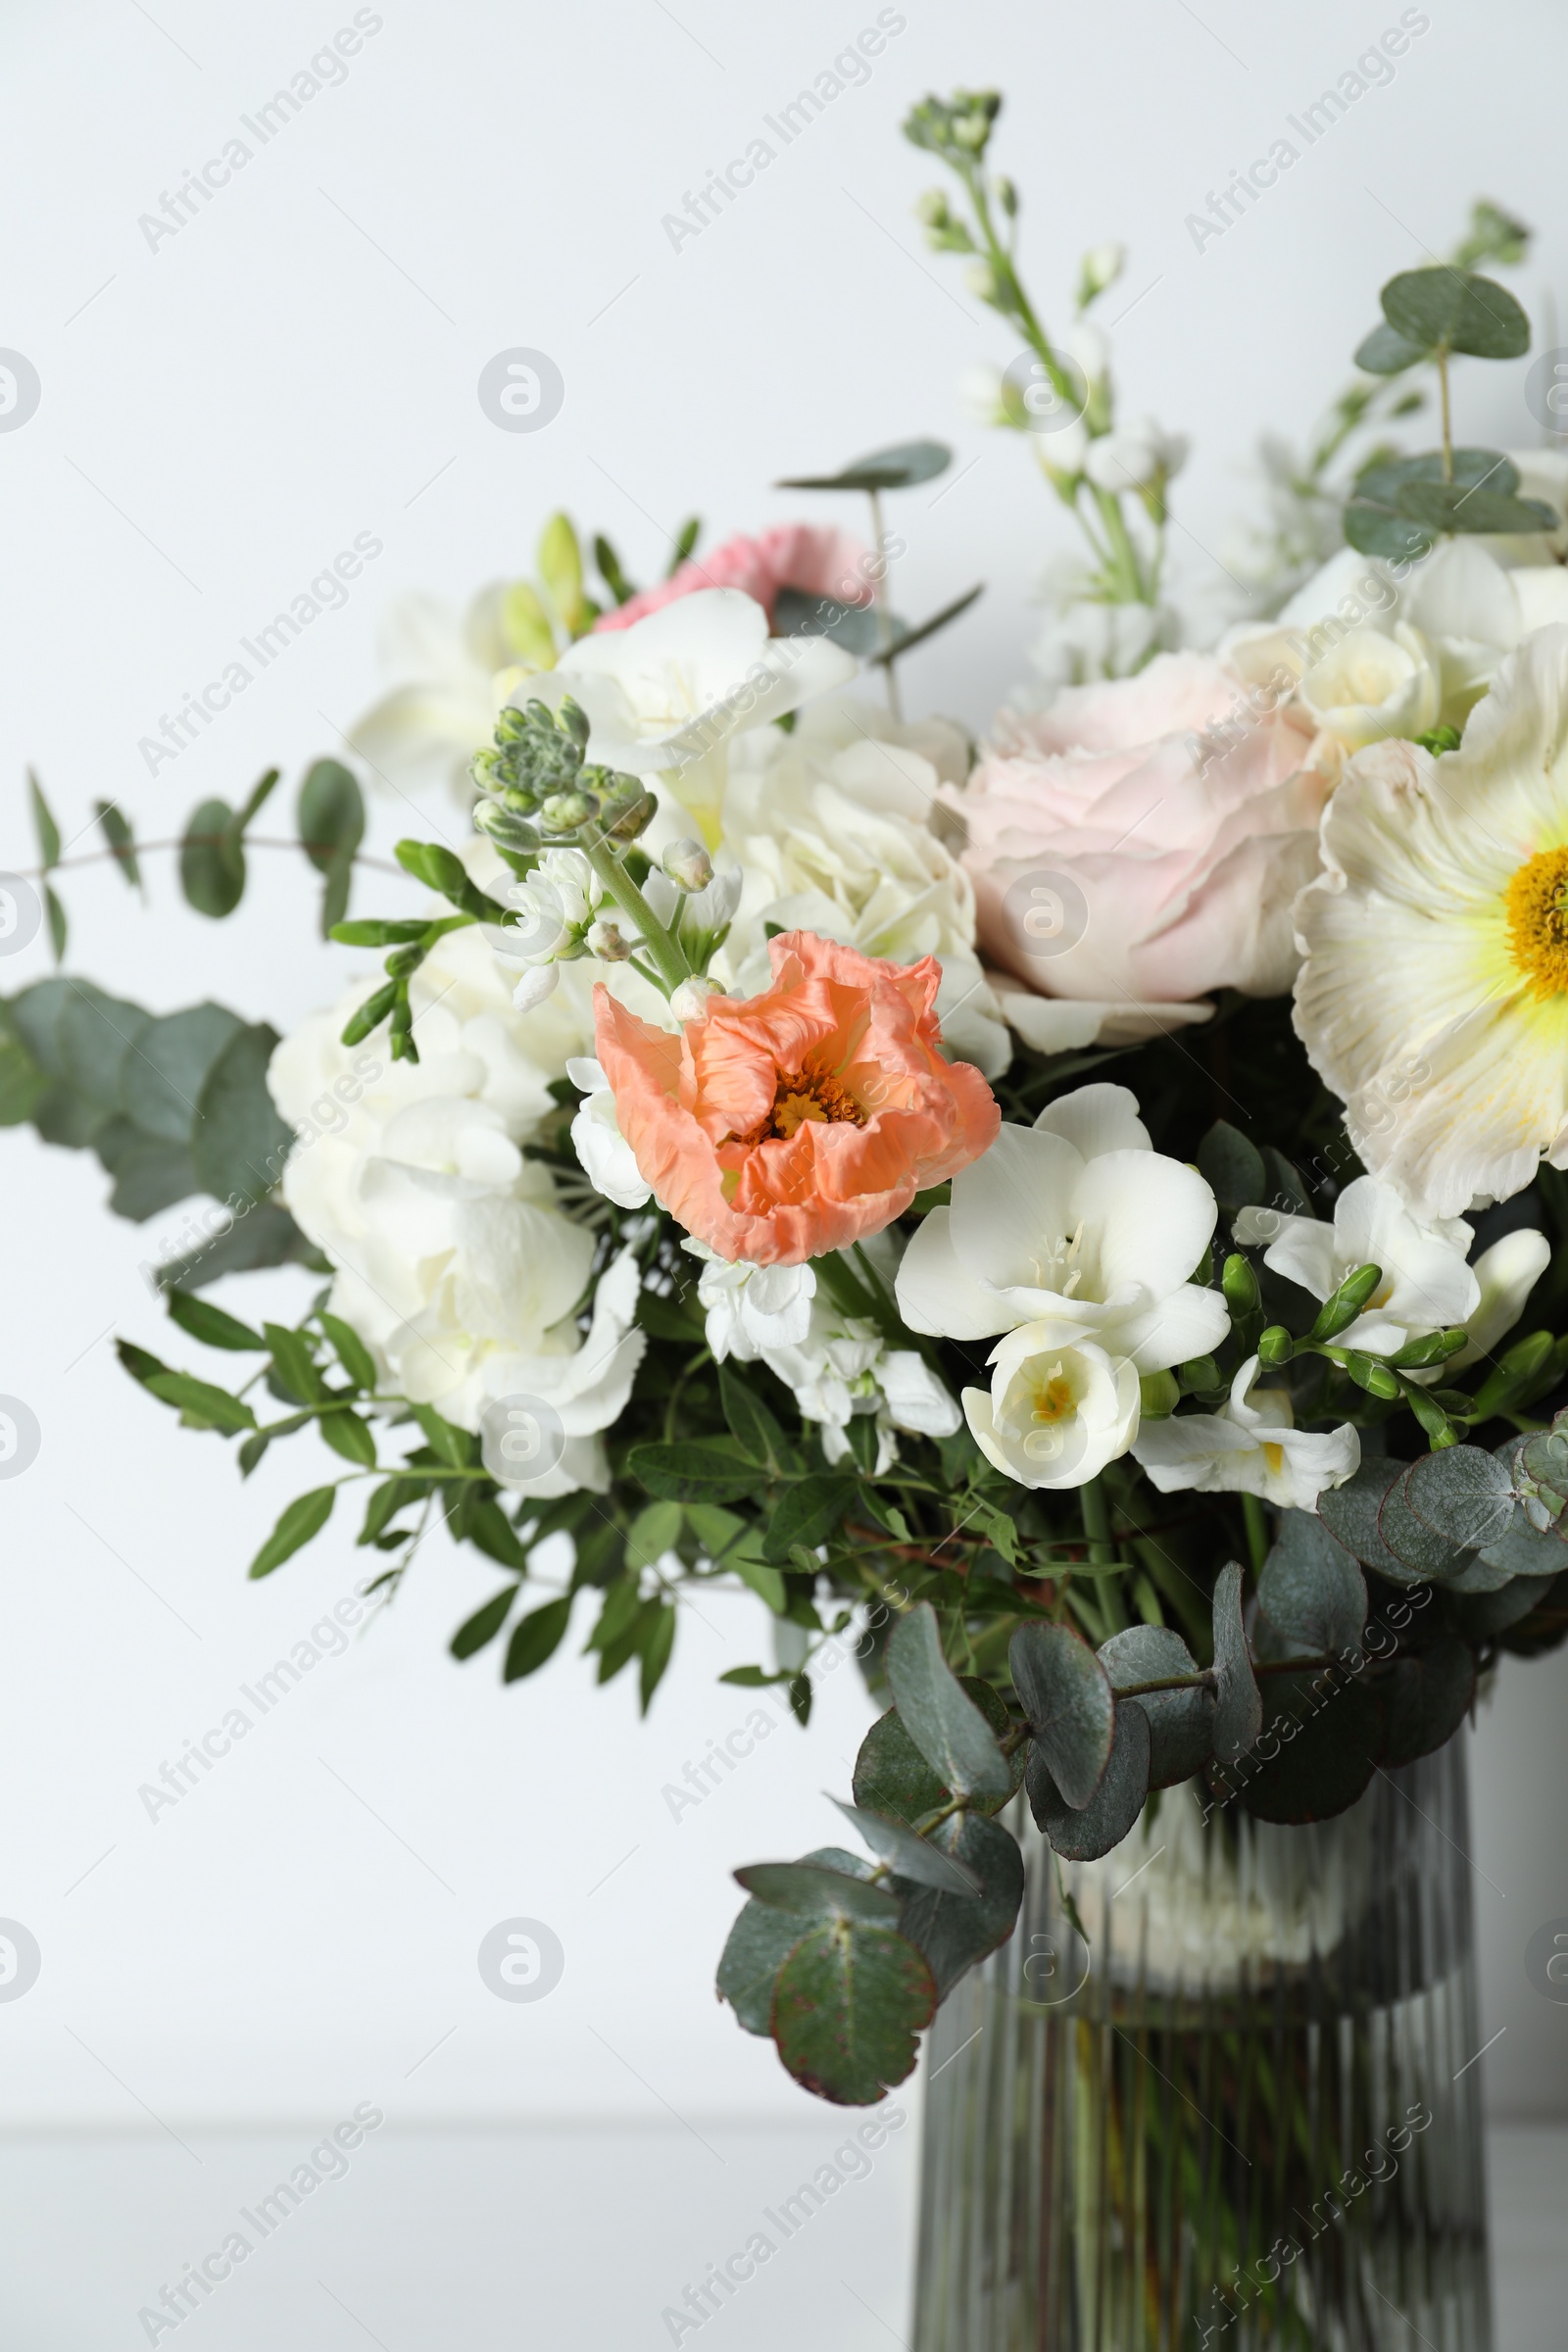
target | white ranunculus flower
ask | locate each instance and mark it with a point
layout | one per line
(1433, 997)
(1250, 1447)
(1058, 1409)
(832, 826)
(596, 1137)
(1077, 1220)
(665, 697)
(584, 1386)
(1368, 686)
(454, 679)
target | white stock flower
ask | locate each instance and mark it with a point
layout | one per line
(1433, 997)
(550, 911)
(665, 697)
(596, 1136)
(838, 1364)
(1368, 686)
(1427, 1284)
(1250, 1447)
(1135, 456)
(1077, 1239)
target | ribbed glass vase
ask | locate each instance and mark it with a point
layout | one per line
(1244, 2113)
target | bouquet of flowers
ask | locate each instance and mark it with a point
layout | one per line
(1054, 1217)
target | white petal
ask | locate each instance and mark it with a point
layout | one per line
(1505, 1275)
(1098, 1119)
(937, 1294)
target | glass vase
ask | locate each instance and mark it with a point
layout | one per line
(1241, 2108)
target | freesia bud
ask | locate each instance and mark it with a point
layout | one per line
(688, 863)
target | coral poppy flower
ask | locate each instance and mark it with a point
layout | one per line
(797, 1121)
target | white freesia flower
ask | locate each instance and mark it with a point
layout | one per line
(598, 1141)
(1427, 1284)
(1434, 999)
(455, 678)
(1078, 1239)
(1250, 1447)
(1368, 686)
(665, 697)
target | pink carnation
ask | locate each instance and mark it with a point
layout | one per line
(1144, 839)
(790, 554)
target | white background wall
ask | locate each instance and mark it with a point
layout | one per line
(218, 418)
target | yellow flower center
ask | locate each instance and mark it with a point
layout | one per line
(1274, 1455)
(1052, 1399)
(809, 1095)
(1536, 904)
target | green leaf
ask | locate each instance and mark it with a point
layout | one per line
(1238, 1708)
(1232, 1167)
(59, 926)
(385, 1504)
(331, 814)
(148, 1175)
(121, 838)
(536, 1638)
(807, 1512)
(1375, 529)
(911, 1857)
(1386, 352)
(655, 1530)
(1330, 1732)
(1426, 1555)
(810, 1890)
(1426, 1696)
(267, 1236)
(847, 2008)
(684, 541)
(1311, 1589)
(201, 1404)
(1453, 307)
(452, 1445)
(1447, 507)
(213, 1325)
(755, 1428)
(759, 1945)
(1350, 1514)
(1464, 1493)
(304, 1517)
(428, 862)
(487, 1527)
(1181, 1722)
(765, 1581)
(352, 1352)
(656, 1643)
(955, 1930)
(259, 793)
(212, 862)
(944, 1723)
(897, 468)
(484, 1624)
(137, 1361)
(1066, 1694)
(240, 1143)
(160, 1086)
(1084, 1832)
(350, 1437)
(711, 1470)
(43, 824)
(294, 1364)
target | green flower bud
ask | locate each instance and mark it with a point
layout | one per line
(499, 825)
(1276, 1345)
(1159, 1391)
(565, 812)
(1240, 1285)
(932, 209)
(1201, 1372)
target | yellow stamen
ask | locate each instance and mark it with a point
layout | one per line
(803, 1095)
(1536, 904)
(1274, 1455)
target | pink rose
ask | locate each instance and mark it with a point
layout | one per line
(1143, 839)
(790, 554)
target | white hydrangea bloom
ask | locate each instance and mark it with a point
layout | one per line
(456, 1260)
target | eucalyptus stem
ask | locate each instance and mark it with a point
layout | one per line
(879, 600)
(1097, 1524)
(1256, 1530)
(1441, 357)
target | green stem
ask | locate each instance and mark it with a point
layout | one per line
(1447, 420)
(1097, 1524)
(879, 600)
(1256, 1530)
(663, 949)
